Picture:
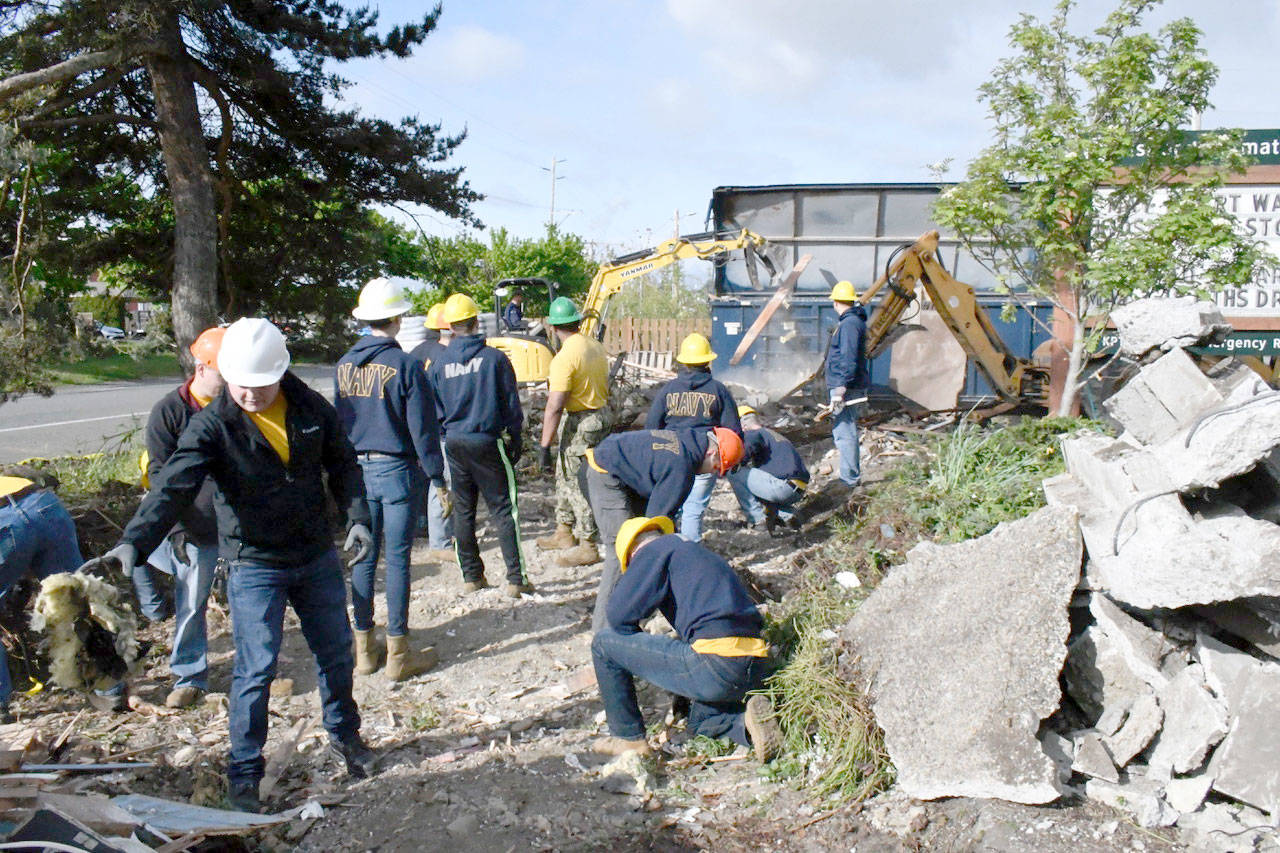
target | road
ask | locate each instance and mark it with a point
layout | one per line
(87, 418)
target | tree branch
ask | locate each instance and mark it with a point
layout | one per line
(106, 81)
(11, 87)
(106, 118)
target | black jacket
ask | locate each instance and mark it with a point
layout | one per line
(658, 465)
(693, 399)
(168, 419)
(385, 404)
(267, 512)
(476, 392)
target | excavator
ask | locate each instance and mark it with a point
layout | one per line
(531, 355)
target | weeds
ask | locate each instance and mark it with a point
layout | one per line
(703, 747)
(423, 718)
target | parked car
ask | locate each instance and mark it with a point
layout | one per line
(111, 333)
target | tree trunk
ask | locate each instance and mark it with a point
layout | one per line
(186, 163)
(1071, 385)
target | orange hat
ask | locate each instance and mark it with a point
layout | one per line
(730, 448)
(205, 348)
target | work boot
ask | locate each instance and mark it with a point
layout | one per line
(243, 796)
(762, 728)
(475, 585)
(441, 555)
(360, 760)
(183, 697)
(515, 590)
(368, 652)
(404, 662)
(583, 554)
(620, 746)
(562, 538)
(113, 700)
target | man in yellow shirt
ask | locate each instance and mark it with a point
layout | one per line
(577, 408)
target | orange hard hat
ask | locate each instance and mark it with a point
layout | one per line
(205, 348)
(730, 448)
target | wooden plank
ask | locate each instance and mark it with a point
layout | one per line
(783, 292)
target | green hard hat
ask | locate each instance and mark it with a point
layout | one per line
(563, 311)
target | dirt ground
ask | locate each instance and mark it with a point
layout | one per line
(489, 751)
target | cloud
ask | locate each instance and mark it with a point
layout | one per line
(474, 53)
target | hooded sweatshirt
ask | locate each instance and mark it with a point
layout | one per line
(385, 404)
(846, 365)
(693, 399)
(476, 392)
(658, 465)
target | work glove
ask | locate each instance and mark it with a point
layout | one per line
(178, 541)
(124, 554)
(360, 539)
(446, 502)
(837, 402)
(514, 448)
(544, 459)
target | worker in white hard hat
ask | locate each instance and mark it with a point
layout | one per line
(848, 379)
(267, 442)
(385, 405)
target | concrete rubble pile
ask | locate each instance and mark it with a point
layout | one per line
(1172, 669)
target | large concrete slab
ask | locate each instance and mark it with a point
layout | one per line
(960, 650)
(1246, 765)
(1194, 722)
(1160, 322)
(1163, 397)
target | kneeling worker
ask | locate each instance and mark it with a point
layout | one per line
(717, 658)
(776, 478)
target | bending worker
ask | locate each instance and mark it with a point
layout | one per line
(648, 472)
(438, 522)
(694, 400)
(717, 657)
(268, 441)
(577, 415)
(479, 405)
(190, 551)
(847, 378)
(776, 478)
(385, 406)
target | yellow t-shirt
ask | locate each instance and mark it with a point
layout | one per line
(581, 369)
(271, 421)
(10, 485)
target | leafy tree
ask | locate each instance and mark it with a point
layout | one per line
(1061, 200)
(200, 100)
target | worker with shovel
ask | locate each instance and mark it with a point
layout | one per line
(577, 416)
(268, 441)
(648, 472)
(716, 658)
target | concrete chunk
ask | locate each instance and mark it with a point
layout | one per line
(1194, 722)
(1099, 679)
(1092, 758)
(1164, 396)
(1141, 648)
(1253, 620)
(986, 633)
(1144, 721)
(1138, 796)
(1246, 765)
(1163, 322)
(1227, 670)
(1187, 793)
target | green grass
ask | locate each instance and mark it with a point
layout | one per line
(960, 485)
(114, 366)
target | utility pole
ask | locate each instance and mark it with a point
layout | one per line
(551, 220)
(675, 270)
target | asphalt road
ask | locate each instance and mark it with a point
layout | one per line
(87, 418)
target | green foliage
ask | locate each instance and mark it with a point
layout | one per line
(105, 308)
(667, 293)
(1091, 192)
(131, 360)
(703, 747)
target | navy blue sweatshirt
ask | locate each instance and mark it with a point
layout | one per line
(476, 392)
(428, 350)
(385, 404)
(696, 590)
(769, 452)
(693, 399)
(846, 365)
(658, 465)
(513, 317)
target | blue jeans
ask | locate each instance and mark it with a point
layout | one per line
(717, 686)
(393, 492)
(695, 505)
(258, 594)
(151, 601)
(192, 581)
(755, 488)
(439, 528)
(844, 432)
(38, 538)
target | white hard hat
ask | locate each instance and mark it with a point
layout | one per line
(381, 299)
(253, 353)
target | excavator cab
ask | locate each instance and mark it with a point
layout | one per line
(529, 350)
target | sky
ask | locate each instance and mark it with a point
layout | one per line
(646, 107)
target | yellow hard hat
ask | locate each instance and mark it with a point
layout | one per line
(745, 410)
(460, 307)
(695, 349)
(381, 299)
(844, 292)
(633, 527)
(435, 317)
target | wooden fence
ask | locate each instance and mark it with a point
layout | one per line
(628, 334)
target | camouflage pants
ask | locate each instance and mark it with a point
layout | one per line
(579, 431)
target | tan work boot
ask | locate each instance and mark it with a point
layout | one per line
(562, 538)
(368, 652)
(404, 662)
(183, 697)
(515, 590)
(762, 728)
(620, 746)
(475, 586)
(583, 554)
